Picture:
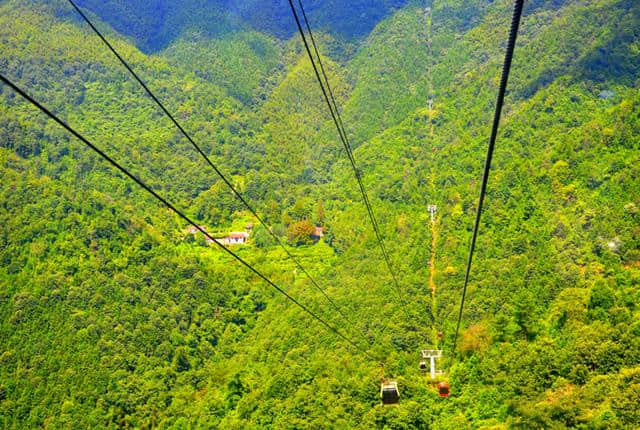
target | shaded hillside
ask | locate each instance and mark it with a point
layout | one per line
(155, 24)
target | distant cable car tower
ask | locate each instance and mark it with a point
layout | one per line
(432, 210)
(431, 355)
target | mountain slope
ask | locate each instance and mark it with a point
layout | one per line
(155, 24)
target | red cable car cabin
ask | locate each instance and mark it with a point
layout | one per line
(443, 389)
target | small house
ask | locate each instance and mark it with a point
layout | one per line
(237, 238)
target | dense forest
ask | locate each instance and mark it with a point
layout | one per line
(113, 314)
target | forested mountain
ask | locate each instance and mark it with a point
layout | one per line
(155, 23)
(113, 315)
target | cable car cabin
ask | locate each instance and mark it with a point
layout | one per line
(443, 389)
(389, 393)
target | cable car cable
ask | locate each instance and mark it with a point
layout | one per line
(335, 114)
(513, 35)
(213, 166)
(341, 129)
(347, 146)
(326, 79)
(170, 206)
(345, 139)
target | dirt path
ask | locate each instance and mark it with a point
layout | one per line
(434, 219)
(432, 275)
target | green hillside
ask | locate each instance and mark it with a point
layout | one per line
(155, 24)
(113, 315)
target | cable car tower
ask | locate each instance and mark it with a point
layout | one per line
(431, 355)
(432, 210)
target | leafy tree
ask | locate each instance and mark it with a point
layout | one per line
(261, 237)
(299, 233)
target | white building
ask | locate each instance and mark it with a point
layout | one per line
(235, 238)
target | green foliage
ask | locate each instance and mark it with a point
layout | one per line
(154, 24)
(242, 63)
(112, 316)
(299, 233)
(262, 238)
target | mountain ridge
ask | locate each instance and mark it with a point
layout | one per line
(155, 24)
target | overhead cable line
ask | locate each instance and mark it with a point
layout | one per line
(345, 137)
(341, 130)
(181, 214)
(214, 167)
(335, 115)
(513, 35)
(326, 81)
